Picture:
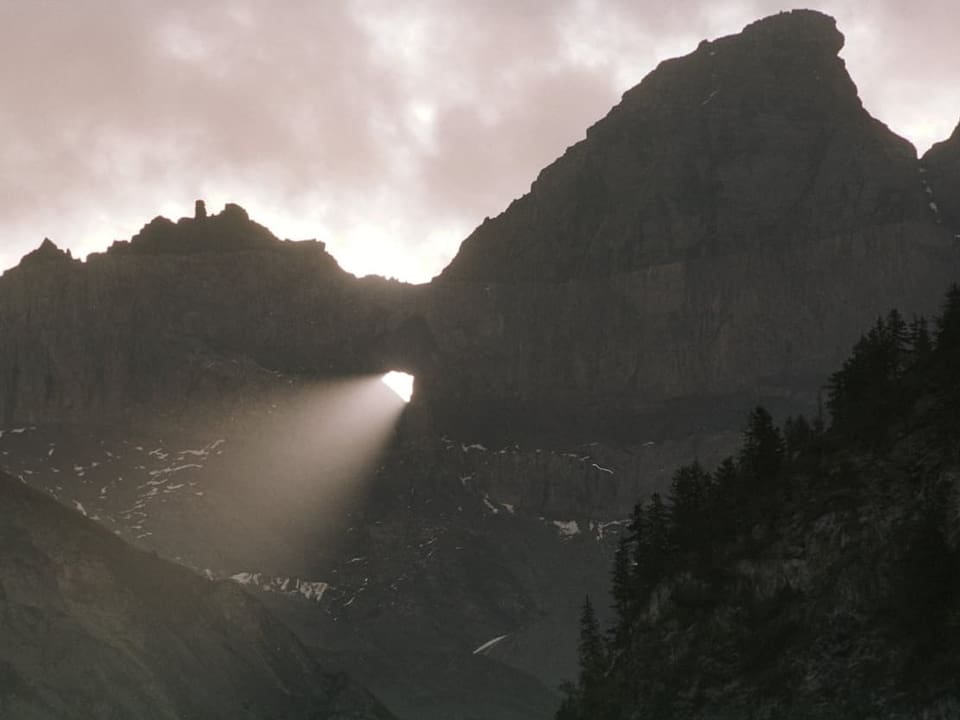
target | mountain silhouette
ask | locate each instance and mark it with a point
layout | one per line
(720, 239)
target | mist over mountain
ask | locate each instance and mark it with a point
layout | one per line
(720, 239)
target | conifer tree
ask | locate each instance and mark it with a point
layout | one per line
(819, 422)
(592, 661)
(898, 337)
(642, 549)
(797, 435)
(637, 527)
(725, 475)
(689, 493)
(724, 518)
(868, 393)
(948, 323)
(570, 706)
(920, 340)
(624, 591)
(658, 545)
(761, 453)
(946, 357)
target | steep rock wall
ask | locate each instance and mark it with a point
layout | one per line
(720, 238)
(941, 169)
(126, 330)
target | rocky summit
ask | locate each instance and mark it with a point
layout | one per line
(721, 238)
(723, 231)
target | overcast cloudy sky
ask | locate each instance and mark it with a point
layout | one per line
(387, 129)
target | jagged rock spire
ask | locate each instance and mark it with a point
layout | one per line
(46, 253)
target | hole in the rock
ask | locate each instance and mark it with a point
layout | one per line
(401, 383)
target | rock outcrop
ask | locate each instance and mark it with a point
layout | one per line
(48, 253)
(230, 229)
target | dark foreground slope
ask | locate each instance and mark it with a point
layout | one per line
(398, 575)
(814, 575)
(91, 628)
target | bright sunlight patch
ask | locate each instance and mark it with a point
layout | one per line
(400, 383)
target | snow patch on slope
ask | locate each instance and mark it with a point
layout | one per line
(567, 528)
(310, 589)
(489, 644)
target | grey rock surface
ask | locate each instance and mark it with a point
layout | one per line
(941, 178)
(720, 238)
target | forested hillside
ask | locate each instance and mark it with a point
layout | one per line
(814, 574)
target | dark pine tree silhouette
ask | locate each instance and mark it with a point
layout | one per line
(689, 496)
(623, 589)
(592, 662)
(761, 452)
(868, 392)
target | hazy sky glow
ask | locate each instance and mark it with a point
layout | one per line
(388, 130)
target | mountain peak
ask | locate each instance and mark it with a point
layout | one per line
(752, 138)
(47, 252)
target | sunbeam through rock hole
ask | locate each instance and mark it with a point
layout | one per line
(401, 383)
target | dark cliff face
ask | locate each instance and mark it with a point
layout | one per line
(724, 232)
(93, 628)
(721, 237)
(941, 169)
(186, 312)
(753, 140)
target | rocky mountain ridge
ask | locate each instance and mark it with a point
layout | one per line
(721, 238)
(752, 139)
